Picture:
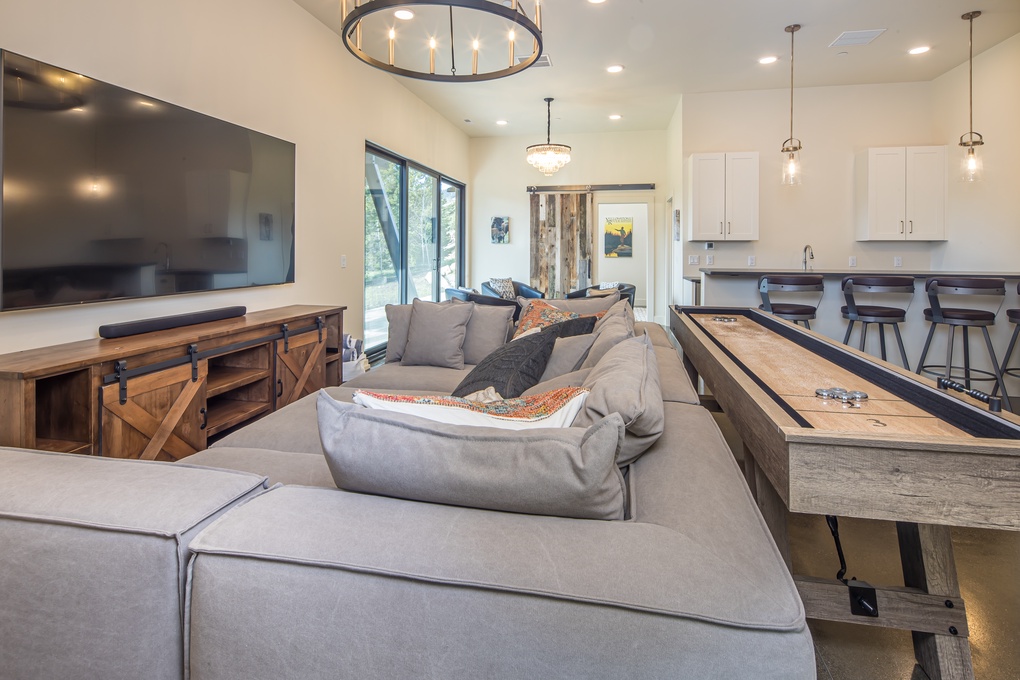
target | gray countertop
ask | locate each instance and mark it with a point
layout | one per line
(916, 273)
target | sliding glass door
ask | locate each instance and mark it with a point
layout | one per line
(414, 231)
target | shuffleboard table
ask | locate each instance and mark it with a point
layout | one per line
(909, 453)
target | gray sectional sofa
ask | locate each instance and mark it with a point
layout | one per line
(262, 568)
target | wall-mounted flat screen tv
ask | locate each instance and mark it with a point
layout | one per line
(110, 194)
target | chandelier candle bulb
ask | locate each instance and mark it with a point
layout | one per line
(393, 34)
(511, 48)
(474, 58)
(538, 14)
(432, 55)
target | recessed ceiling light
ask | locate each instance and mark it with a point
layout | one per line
(920, 50)
(596, 2)
(615, 68)
(768, 60)
(404, 14)
(615, 116)
(501, 122)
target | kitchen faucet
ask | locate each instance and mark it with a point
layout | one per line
(808, 254)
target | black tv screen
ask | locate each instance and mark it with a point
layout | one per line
(110, 194)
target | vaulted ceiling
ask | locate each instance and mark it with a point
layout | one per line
(673, 47)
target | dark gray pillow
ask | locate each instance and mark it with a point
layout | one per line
(512, 368)
(567, 356)
(571, 327)
(435, 336)
(562, 471)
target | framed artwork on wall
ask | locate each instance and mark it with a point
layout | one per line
(500, 229)
(619, 236)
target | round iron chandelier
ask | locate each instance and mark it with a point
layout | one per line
(427, 39)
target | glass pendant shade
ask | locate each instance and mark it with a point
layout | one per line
(971, 166)
(791, 168)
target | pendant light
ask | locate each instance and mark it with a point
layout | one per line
(548, 158)
(971, 140)
(792, 146)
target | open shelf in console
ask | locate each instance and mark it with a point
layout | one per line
(60, 402)
(238, 387)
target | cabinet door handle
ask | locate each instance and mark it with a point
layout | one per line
(911, 226)
(205, 417)
(279, 387)
(720, 227)
(901, 226)
(729, 227)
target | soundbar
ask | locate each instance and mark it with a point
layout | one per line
(162, 323)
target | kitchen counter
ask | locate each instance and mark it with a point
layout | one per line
(916, 273)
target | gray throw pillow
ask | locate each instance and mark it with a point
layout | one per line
(398, 317)
(564, 472)
(486, 331)
(435, 336)
(626, 381)
(572, 379)
(621, 309)
(512, 368)
(567, 355)
(607, 335)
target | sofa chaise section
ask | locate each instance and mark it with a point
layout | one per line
(93, 561)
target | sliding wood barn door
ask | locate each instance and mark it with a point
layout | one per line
(561, 242)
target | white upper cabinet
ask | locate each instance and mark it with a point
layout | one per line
(901, 194)
(723, 203)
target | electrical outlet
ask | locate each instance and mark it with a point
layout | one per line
(693, 259)
(710, 259)
(343, 262)
(853, 260)
(750, 260)
(897, 262)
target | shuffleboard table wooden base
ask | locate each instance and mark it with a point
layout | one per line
(909, 453)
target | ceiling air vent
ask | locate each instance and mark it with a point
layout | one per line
(541, 62)
(856, 37)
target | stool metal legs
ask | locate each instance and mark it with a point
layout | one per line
(881, 338)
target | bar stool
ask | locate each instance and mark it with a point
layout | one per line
(964, 318)
(1014, 318)
(790, 283)
(868, 314)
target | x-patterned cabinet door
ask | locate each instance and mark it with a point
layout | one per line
(162, 418)
(300, 367)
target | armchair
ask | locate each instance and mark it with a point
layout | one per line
(627, 290)
(520, 290)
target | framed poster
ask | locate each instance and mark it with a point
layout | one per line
(500, 229)
(618, 236)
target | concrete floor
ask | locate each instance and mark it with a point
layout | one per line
(987, 563)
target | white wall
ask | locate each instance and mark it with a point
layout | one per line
(500, 176)
(263, 64)
(983, 220)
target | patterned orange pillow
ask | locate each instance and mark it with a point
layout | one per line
(539, 315)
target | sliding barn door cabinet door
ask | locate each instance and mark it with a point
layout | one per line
(167, 394)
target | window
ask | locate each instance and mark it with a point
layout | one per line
(414, 231)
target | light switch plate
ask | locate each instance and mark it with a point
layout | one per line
(897, 262)
(693, 259)
(343, 262)
(853, 260)
(710, 259)
(750, 260)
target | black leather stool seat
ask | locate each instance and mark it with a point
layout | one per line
(956, 314)
(1013, 315)
(877, 312)
(791, 309)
